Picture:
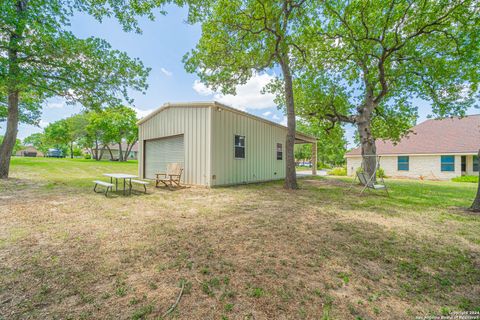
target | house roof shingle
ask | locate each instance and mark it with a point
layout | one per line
(445, 136)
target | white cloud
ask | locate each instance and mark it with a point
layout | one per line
(55, 105)
(284, 121)
(267, 113)
(275, 117)
(248, 95)
(71, 93)
(142, 113)
(202, 89)
(166, 72)
(43, 124)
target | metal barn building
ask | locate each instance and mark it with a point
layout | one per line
(215, 144)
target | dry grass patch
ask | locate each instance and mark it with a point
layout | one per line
(246, 252)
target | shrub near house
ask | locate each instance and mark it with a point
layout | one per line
(340, 171)
(470, 179)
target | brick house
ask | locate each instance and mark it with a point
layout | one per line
(434, 149)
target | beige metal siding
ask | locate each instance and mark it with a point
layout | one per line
(160, 152)
(260, 163)
(195, 124)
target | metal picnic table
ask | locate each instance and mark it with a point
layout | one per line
(123, 176)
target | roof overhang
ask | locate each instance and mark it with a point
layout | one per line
(303, 138)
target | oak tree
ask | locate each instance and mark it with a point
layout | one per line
(370, 59)
(40, 58)
(58, 135)
(244, 37)
(38, 141)
(118, 125)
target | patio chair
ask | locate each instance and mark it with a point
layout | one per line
(171, 178)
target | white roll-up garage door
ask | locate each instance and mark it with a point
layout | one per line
(160, 152)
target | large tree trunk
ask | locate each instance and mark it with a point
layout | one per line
(10, 138)
(290, 174)
(71, 149)
(102, 151)
(127, 153)
(129, 149)
(95, 152)
(476, 203)
(367, 141)
(110, 151)
(120, 152)
(6, 149)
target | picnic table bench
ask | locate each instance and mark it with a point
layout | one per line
(127, 181)
(140, 182)
(124, 176)
(108, 186)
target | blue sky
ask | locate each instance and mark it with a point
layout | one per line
(161, 47)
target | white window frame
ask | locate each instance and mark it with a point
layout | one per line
(239, 146)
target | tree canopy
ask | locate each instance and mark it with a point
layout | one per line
(368, 60)
(92, 130)
(331, 145)
(39, 59)
(244, 37)
(37, 140)
(116, 125)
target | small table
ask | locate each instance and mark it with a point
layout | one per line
(123, 176)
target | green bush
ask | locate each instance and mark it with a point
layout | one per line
(381, 173)
(339, 171)
(87, 156)
(471, 179)
(321, 166)
(77, 152)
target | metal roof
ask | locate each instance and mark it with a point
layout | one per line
(301, 137)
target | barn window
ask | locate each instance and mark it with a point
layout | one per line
(239, 147)
(475, 163)
(279, 151)
(448, 163)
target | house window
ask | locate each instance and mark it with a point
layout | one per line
(279, 151)
(403, 163)
(448, 163)
(475, 163)
(239, 147)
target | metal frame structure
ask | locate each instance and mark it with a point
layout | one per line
(368, 182)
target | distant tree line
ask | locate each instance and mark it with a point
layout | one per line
(94, 131)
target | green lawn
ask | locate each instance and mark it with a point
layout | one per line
(303, 169)
(77, 172)
(245, 252)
